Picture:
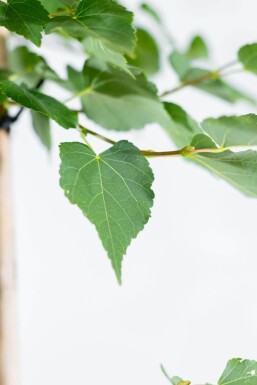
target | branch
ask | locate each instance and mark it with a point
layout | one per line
(185, 151)
(212, 75)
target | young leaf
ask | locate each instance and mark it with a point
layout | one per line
(41, 125)
(146, 55)
(239, 372)
(147, 8)
(166, 374)
(229, 131)
(29, 68)
(201, 141)
(174, 380)
(105, 20)
(27, 18)
(39, 102)
(115, 100)
(248, 57)
(198, 49)
(237, 168)
(181, 127)
(112, 189)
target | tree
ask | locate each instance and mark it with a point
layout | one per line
(114, 189)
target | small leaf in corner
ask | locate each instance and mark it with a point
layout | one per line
(198, 49)
(248, 57)
(174, 380)
(239, 372)
(147, 8)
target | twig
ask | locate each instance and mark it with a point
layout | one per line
(185, 151)
(212, 75)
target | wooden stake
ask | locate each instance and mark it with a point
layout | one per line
(8, 315)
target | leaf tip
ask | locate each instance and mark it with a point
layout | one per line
(119, 279)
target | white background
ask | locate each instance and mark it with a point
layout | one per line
(189, 290)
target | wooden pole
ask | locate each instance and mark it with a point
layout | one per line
(8, 315)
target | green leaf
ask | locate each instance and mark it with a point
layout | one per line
(198, 49)
(165, 373)
(147, 8)
(237, 168)
(3, 98)
(115, 100)
(41, 125)
(112, 189)
(27, 18)
(29, 68)
(181, 127)
(105, 20)
(174, 380)
(229, 131)
(180, 63)
(201, 141)
(76, 80)
(239, 372)
(146, 55)
(4, 74)
(71, 3)
(96, 47)
(248, 57)
(39, 102)
(54, 5)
